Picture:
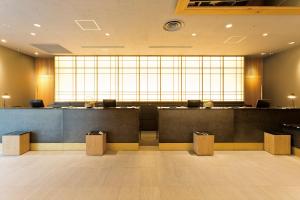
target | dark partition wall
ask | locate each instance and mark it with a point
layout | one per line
(71, 125)
(228, 125)
(121, 125)
(177, 125)
(46, 124)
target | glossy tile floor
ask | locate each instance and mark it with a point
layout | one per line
(149, 175)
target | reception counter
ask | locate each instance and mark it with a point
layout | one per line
(69, 125)
(230, 125)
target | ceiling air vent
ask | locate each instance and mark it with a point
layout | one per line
(51, 48)
(173, 25)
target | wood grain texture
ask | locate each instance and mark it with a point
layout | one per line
(203, 145)
(182, 8)
(45, 80)
(253, 77)
(277, 144)
(13, 145)
(95, 144)
(145, 175)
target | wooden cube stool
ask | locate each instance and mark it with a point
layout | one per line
(95, 144)
(15, 143)
(203, 144)
(277, 143)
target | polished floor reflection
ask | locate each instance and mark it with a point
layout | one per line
(149, 175)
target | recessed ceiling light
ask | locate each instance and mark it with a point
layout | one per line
(228, 25)
(3, 40)
(292, 42)
(194, 34)
(36, 53)
(265, 34)
(262, 53)
(107, 34)
(33, 34)
(37, 25)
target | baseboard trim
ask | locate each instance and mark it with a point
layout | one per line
(81, 146)
(217, 146)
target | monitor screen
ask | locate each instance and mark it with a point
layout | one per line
(194, 103)
(37, 103)
(109, 103)
(263, 103)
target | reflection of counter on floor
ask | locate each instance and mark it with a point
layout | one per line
(245, 125)
(71, 125)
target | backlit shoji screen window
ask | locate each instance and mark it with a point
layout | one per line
(192, 77)
(107, 77)
(86, 78)
(212, 78)
(128, 78)
(233, 79)
(170, 78)
(65, 78)
(149, 78)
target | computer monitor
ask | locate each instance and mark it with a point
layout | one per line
(37, 103)
(194, 103)
(109, 103)
(263, 103)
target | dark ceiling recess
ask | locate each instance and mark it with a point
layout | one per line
(211, 3)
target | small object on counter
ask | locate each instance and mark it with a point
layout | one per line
(208, 104)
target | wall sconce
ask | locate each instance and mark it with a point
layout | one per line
(5, 97)
(292, 97)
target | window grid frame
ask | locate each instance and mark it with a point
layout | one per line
(178, 72)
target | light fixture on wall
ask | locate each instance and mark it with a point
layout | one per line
(292, 97)
(5, 97)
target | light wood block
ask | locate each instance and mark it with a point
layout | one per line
(277, 144)
(203, 144)
(14, 145)
(95, 144)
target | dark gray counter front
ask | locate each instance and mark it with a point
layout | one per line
(229, 125)
(71, 125)
(121, 125)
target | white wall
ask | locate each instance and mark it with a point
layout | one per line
(16, 77)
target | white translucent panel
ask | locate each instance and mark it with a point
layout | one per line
(215, 64)
(66, 82)
(80, 82)
(215, 97)
(90, 83)
(230, 82)
(192, 83)
(149, 78)
(230, 71)
(230, 64)
(215, 85)
(206, 82)
(66, 64)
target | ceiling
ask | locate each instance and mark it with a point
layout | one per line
(136, 28)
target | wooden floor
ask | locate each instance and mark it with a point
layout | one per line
(149, 175)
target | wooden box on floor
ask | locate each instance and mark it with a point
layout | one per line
(16, 143)
(95, 144)
(277, 144)
(203, 144)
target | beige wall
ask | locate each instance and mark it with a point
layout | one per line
(16, 77)
(282, 77)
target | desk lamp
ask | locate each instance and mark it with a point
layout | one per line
(5, 96)
(292, 97)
